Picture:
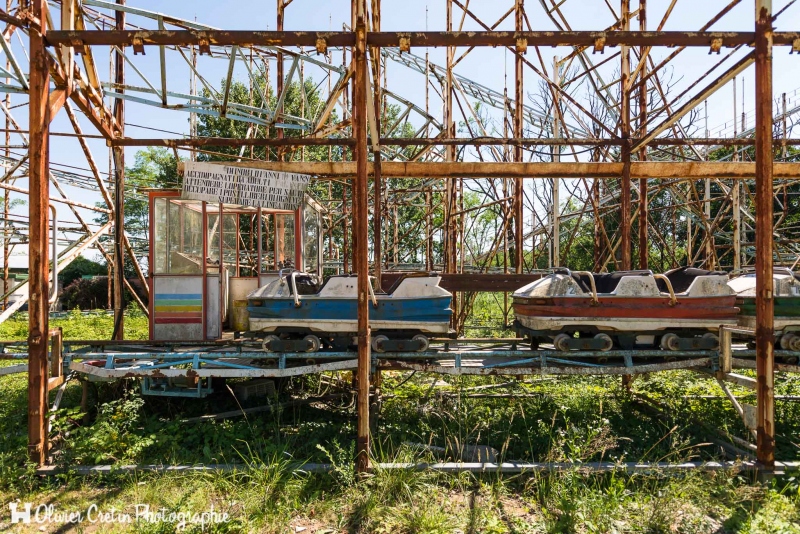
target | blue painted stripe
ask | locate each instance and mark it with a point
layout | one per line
(177, 296)
(434, 310)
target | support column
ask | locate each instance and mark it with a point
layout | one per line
(764, 284)
(451, 231)
(555, 213)
(279, 81)
(519, 97)
(377, 98)
(6, 199)
(625, 134)
(644, 216)
(736, 198)
(119, 191)
(361, 229)
(376, 153)
(38, 246)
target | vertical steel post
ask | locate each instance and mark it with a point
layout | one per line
(625, 134)
(429, 263)
(377, 98)
(736, 197)
(644, 216)
(38, 307)
(377, 243)
(518, 99)
(279, 79)
(361, 230)
(6, 200)
(221, 224)
(783, 130)
(119, 190)
(345, 229)
(765, 426)
(451, 187)
(555, 215)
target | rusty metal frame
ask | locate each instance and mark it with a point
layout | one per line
(634, 164)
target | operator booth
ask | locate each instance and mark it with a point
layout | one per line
(223, 236)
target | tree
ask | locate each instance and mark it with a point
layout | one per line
(304, 101)
(78, 268)
(153, 168)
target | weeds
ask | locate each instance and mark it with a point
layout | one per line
(578, 420)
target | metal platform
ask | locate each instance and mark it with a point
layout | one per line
(232, 359)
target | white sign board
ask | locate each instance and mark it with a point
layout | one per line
(243, 186)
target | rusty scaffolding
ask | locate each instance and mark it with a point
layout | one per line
(593, 140)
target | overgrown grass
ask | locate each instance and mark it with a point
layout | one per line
(537, 419)
(76, 325)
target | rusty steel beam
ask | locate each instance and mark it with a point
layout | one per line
(671, 170)
(377, 234)
(279, 76)
(247, 38)
(765, 314)
(361, 234)
(435, 141)
(119, 189)
(519, 191)
(641, 71)
(625, 133)
(38, 254)
(17, 21)
(229, 141)
(450, 153)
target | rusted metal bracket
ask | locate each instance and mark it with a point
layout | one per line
(599, 45)
(405, 42)
(138, 45)
(204, 45)
(78, 45)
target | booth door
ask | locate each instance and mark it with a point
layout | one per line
(178, 313)
(176, 277)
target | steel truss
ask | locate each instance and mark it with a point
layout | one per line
(606, 143)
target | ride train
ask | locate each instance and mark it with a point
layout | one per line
(681, 309)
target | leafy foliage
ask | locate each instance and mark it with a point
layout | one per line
(154, 167)
(78, 268)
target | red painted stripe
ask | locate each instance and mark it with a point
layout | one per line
(630, 308)
(177, 320)
(180, 314)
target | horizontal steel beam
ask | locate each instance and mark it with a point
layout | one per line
(475, 467)
(601, 467)
(403, 40)
(550, 368)
(141, 372)
(479, 170)
(433, 141)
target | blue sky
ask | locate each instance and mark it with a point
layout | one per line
(486, 66)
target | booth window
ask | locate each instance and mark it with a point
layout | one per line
(279, 242)
(311, 239)
(178, 238)
(230, 236)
